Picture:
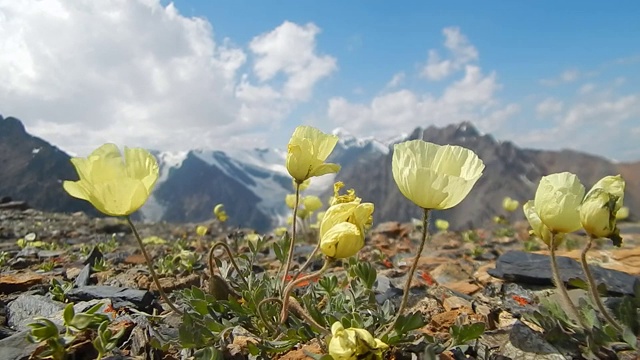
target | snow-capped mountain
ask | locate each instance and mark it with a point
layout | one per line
(252, 184)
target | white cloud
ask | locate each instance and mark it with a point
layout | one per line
(461, 53)
(139, 73)
(567, 76)
(472, 98)
(396, 80)
(291, 49)
(549, 107)
(599, 121)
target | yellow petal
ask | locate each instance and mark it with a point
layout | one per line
(141, 165)
(557, 201)
(434, 176)
(596, 215)
(106, 164)
(324, 169)
(119, 197)
(336, 214)
(77, 189)
(540, 230)
(342, 240)
(614, 185)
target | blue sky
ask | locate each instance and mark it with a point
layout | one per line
(184, 74)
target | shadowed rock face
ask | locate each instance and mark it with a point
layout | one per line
(510, 171)
(33, 170)
(192, 190)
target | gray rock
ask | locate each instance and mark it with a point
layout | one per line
(83, 277)
(525, 343)
(17, 347)
(535, 269)
(142, 300)
(25, 307)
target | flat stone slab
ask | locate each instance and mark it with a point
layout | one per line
(535, 269)
(142, 300)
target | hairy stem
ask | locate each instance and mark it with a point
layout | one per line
(293, 235)
(151, 270)
(308, 262)
(412, 271)
(285, 295)
(564, 295)
(593, 288)
(230, 254)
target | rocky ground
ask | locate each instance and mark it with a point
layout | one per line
(477, 276)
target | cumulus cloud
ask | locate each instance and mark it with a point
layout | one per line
(471, 97)
(137, 72)
(599, 116)
(461, 53)
(291, 49)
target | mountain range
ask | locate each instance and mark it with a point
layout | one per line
(252, 183)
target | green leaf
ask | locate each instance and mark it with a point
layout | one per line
(68, 314)
(630, 338)
(409, 322)
(464, 333)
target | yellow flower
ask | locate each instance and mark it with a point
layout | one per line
(623, 213)
(509, 204)
(312, 203)
(540, 230)
(434, 176)
(220, 214)
(201, 230)
(290, 200)
(442, 225)
(113, 184)
(279, 231)
(599, 208)
(307, 151)
(354, 343)
(342, 229)
(154, 240)
(557, 202)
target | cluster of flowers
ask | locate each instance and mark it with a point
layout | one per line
(433, 177)
(559, 207)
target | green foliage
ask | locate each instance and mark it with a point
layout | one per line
(59, 289)
(100, 264)
(4, 257)
(248, 301)
(47, 266)
(601, 336)
(44, 330)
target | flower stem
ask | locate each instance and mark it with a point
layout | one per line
(308, 262)
(293, 236)
(412, 271)
(294, 282)
(593, 289)
(564, 295)
(151, 270)
(230, 254)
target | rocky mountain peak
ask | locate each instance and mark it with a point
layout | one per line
(11, 127)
